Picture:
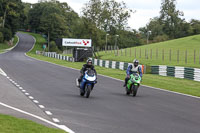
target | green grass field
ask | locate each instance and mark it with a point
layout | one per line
(9, 124)
(4, 46)
(156, 51)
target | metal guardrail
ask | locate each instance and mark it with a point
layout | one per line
(55, 55)
(97, 62)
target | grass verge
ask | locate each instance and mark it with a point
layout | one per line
(159, 53)
(9, 124)
(169, 83)
(4, 46)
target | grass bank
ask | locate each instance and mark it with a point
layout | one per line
(9, 124)
(172, 53)
(5, 46)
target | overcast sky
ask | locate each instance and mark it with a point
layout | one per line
(145, 9)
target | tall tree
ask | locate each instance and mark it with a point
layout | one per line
(107, 14)
(10, 13)
(170, 18)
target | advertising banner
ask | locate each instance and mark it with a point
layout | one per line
(77, 42)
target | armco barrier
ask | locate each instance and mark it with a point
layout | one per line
(98, 62)
(55, 55)
(178, 72)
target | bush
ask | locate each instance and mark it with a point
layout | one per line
(161, 38)
(53, 47)
(1, 37)
(7, 34)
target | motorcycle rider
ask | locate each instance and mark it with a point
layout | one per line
(133, 68)
(85, 67)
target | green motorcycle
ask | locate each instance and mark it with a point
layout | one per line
(133, 84)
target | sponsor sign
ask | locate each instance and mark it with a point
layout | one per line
(76, 42)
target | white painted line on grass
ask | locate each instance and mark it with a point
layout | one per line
(48, 112)
(38, 117)
(31, 97)
(41, 106)
(55, 120)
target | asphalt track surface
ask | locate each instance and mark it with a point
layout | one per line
(108, 110)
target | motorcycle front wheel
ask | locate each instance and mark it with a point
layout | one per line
(134, 89)
(88, 90)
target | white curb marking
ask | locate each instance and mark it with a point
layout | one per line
(23, 90)
(20, 88)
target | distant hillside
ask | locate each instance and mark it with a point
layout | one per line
(159, 53)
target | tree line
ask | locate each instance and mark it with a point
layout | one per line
(169, 25)
(99, 19)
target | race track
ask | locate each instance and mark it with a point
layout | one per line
(108, 110)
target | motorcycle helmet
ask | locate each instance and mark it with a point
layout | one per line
(89, 62)
(136, 62)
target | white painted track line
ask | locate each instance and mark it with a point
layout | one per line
(38, 117)
(55, 120)
(31, 97)
(2, 72)
(27, 94)
(35, 101)
(48, 112)
(41, 106)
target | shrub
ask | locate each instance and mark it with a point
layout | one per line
(161, 38)
(53, 47)
(1, 37)
(7, 34)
